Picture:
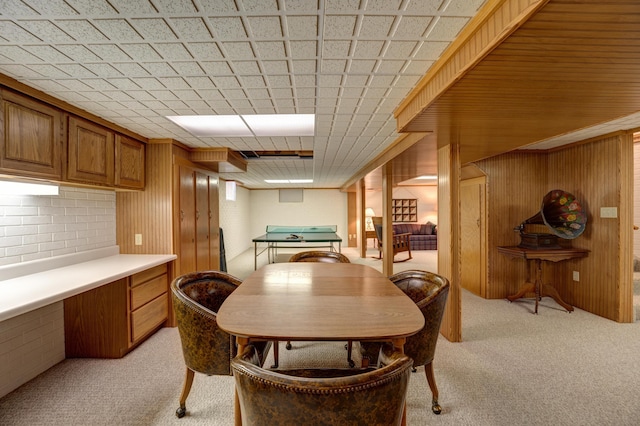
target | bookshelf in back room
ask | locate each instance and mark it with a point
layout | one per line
(404, 210)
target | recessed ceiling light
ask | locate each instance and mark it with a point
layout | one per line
(212, 125)
(247, 125)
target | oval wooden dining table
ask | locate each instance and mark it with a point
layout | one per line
(318, 302)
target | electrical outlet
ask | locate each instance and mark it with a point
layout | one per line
(576, 276)
(138, 239)
(611, 212)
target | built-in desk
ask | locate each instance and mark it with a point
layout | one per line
(536, 257)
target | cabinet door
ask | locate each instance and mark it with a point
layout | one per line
(187, 224)
(202, 221)
(130, 163)
(214, 224)
(31, 137)
(91, 153)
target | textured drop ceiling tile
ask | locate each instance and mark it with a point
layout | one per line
(400, 49)
(149, 83)
(383, 5)
(123, 83)
(275, 67)
(78, 53)
(333, 49)
(361, 66)
(205, 51)
(200, 83)
(254, 82)
(226, 82)
(109, 52)
(159, 69)
(18, 55)
(238, 50)
(49, 71)
(390, 66)
(342, 5)
(228, 28)
(154, 28)
(368, 49)
(15, 33)
(270, 50)
(133, 7)
(20, 71)
(117, 30)
(339, 27)
(333, 66)
(416, 67)
(82, 30)
(174, 82)
(431, 50)
(246, 68)
(456, 7)
(218, 6)
(303, 67)
(46, 31)
(447, 28)
(277, 81)
(92, 7)
(17, 8)
(52, 7)
(191, 29)
(163, 95)
(175, 6)
(354, 92)
(412, 27)
(260, 5)
(305, 80)
(103, 70)
(376, 27)
(173, 51)
(76, 70)
(302, 27)
(187, 94)
(306, 93)
(188, 68)
(141, 52)
(131, 69)
(303, 49)
(265, 27)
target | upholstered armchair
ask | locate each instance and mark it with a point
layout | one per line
(401, 242)
(317, 256)
(429, 291)
(206, 348)
(353, 396)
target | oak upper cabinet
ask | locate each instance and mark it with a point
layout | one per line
(91, 153)
(130, 163)
(31, 134)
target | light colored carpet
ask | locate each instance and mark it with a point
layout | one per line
(513, 368)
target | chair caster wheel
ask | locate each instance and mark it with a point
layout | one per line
(351, 363)
(436, 408)
(288, 346)
(180, 412)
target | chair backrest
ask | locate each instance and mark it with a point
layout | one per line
(319, 256)
(197, 297)
(323, 396)
(377, 225)
(429, 291)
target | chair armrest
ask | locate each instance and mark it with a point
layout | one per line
(401, 238)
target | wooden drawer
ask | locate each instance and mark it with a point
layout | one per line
(148, 317)
(146, 275)
(148, 291)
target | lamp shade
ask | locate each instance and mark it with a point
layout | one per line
(369, 212)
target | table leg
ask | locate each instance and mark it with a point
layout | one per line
(242, 344)
(548, 290)
(255, 256)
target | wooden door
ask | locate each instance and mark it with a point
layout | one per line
(91, 153)
(187, 223)
(471, 198)
(214, 223)
(202, 221)
(30, 138)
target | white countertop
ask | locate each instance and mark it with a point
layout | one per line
(25, 293)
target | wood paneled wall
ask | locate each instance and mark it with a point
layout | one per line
(599, 173)
(148, 212)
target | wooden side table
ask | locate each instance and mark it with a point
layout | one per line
(536, 257)
(372, 234)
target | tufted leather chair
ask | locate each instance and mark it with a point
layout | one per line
(429, 291)
(206, 348)
(317, 256)
(353, 396)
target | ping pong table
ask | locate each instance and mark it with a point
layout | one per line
(295, 236)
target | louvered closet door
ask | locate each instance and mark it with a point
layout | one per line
(187, 259)
(202, 221)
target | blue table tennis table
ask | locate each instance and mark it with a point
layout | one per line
(295, 236)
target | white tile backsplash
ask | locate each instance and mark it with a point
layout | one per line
(37, 227)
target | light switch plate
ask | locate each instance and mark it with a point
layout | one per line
(610, 212)
(138, 239)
